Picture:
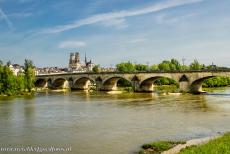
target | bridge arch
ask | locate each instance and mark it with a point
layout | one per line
(111, 82)
(83, 83)
(196, 86)
(60, 83)
(40, 83)
(147, 85)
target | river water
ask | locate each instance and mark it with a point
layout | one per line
(102, 123)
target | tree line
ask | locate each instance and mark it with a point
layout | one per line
(175, 65)
(23, 83)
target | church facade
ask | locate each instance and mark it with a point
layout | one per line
(76, 65)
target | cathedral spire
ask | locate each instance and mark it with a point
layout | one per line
(85, 59)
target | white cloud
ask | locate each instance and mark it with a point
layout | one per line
(119, 15)
(5, 17)
(117, 23)
(72, 44)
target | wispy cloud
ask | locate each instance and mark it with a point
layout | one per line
(120, 15)
(117, 23)
(71, 44)
(5, 17)
(169, 19)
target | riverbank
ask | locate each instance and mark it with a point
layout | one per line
(19, 94)
(217, 145)
(208, 145)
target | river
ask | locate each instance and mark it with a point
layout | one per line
(102, 123)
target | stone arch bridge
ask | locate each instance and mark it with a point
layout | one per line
(188, 81)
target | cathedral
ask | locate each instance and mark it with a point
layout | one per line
(76, 65)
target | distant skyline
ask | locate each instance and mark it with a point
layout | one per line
(112, 31)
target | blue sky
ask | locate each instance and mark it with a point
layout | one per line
(111, 31)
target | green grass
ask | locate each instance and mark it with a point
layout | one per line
(159, 146)
(217, 146)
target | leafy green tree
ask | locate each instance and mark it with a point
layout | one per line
(20, 83)
(185, 67)
(126, 67)
(195, 65)
(154, 67)
(164, 66)
(96, 69)
(141, 67)
(175, 64)
(8, 81)
(29, 74)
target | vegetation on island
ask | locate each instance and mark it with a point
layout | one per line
(173, 65)
(23, 83)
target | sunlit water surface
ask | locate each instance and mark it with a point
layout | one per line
(104, 123)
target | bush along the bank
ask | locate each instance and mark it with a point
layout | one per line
(11, 84)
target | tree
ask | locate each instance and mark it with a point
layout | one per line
(176, 64)
(154, 67)
(96, 69)
(8, 81)
(8, 63)
(164, 66)
(20, 83)
(195, 65)
(29, 74)
(141, 67)
(126, 67)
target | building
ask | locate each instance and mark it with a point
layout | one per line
(16, 69)
(74, 61)
(75, 64)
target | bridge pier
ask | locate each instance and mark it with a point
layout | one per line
(109, 87)
(66, 85)
(196, 88)
(81, 84)
(184, 86)
(45, 86)
(147, 88)
(99, 85)
(59, 84)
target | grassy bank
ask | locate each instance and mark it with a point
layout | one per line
(220, 145)
(159, 146)
(215, 145)
(18, 94)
